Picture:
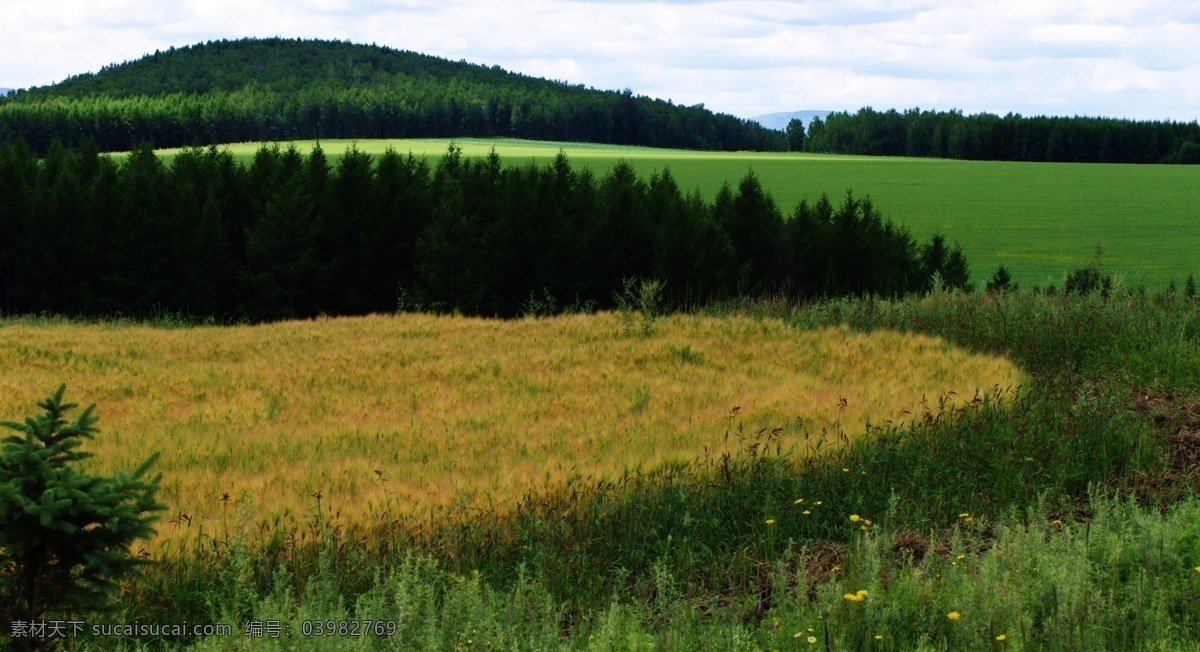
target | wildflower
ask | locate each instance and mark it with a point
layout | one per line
(845, 470)
(863, 528)
(879, 637)
(812, 639)
(856, 597)
(862, 592)
(817, 503)
(867, 521)
(799, 500)
(1002, 638)
(964, 515)
(798, 635)
(854, 518)
(835, 569)
(806, 512)
(770, 521)
(962, 556)
(968, 519)
(1198, 569)
(953, 615)
(1056, 522)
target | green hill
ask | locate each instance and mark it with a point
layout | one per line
(275, 89)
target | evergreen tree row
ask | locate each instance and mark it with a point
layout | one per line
(276, 89)
(990, 137)
(294, 235)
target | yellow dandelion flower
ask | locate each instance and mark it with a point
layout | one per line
(854, 518)
(1001, 637)
(963, 515)
(798, 635)
(953, 615)
(770, 521)
(862, 527)
(806, 512)
(1198, 569)
(817, 503)
(798, 501)
(812, 639)
(867, 521)
(1056, 522)
(962, 556)
(879, 637)
(862, 592)
(835, 569)
(845, 470)
(810, 629)
(968, 519)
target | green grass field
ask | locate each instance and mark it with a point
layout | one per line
(1037, 219)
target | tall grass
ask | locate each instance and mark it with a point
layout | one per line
(1122, 580)
(414, 414)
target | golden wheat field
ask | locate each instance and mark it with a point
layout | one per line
(415, 413)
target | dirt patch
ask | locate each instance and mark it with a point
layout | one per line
(1178, 420)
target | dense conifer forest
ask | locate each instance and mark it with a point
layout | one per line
(985, 136)
(279, 89)
(254, 90)
(294, 235)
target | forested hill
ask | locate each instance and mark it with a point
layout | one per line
(278, 89)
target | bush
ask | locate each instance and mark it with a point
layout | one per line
(639, 305)
(1001, 281)
(1087, 280)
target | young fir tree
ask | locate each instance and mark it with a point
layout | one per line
(65, 534)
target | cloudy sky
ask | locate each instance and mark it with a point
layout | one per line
(1126, 58)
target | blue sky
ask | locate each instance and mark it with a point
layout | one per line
(1133, 58)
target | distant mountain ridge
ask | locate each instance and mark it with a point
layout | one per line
(286, 89)
(779, 121)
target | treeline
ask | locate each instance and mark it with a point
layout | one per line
(987, 136)
(277, 89)
(294, 235)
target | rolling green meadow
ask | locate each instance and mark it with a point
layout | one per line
(1039, 220)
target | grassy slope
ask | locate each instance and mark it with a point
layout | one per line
(1037, 219)
(399, 414)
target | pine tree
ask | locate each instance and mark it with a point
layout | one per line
(794, 135)
(65, 534)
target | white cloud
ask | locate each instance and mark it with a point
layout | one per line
(1135, 58)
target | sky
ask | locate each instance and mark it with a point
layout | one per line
(1135, 59)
